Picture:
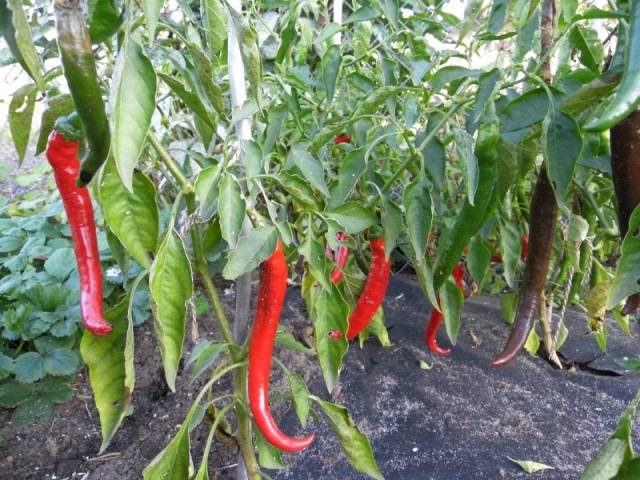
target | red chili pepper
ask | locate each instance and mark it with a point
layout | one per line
(336, 334)
(496, 258)
(374, 290)
(63, 157)
(524, 252)
(342, 255)
(342, 138)
(435, 320)
(433, 325)
(271, 296)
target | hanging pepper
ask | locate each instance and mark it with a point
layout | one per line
(79, 68)
(342, 138)
(625, 170)
(627, 96)
(271, 296)
(435, 320)
(341, 257)
(63, 157)
(497, 258)
(374, 289)
(542, 224)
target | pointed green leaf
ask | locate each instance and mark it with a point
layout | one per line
(331, 61)
(352, 216)
(132, 217)
(300, 394)
(152, 12)
(171, 287)
(310, 167)
(20, 116)
(111, 370)
(133, 99)
(417, 205)
(24, 42)
(627, 278)
(352, 166)
(251, 251)
(216, 24)
(231, 209)
(451, 300)
(355, 445)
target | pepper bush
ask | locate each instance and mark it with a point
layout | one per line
(236, 126)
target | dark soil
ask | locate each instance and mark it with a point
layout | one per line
(459, 420)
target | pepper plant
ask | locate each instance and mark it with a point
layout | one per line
(222, 137)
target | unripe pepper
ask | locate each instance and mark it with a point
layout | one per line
(374, 289)
(271, 296)
(63, 157)
(79, 68)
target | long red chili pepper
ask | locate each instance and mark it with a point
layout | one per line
(544, 211)
(63, 157)
(625, 170)
(342, 138)
(435, 320)
(271, 295)
(374, 290)
(341, 257)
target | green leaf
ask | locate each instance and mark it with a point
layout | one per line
(171, 287)
(511, 244)
(29, 367)
(62, 361)
(562, 149)
(528, 109)
(464, 149)
(207, 192)
(299, 189)
(497, 16)
(531, 466)
(133, 100)
(626, 280)
(362, 15)
(352, 166)
(231, 210)
(20, 115)
(450, 74)
(300, 394)
(251, 251)
(132, 217)
(25, 44)
(268, 456)
(33, 410)
(391, 224)
(331, 61)
(13, 393)
(392, 11)
(316, 258)
(174, 461)
(57, 107)
(105, 20)
(111, 370)
(61, 263)
(486, 86)
(354, 444)
(328, 311)
(205, 358)
(287, 340)
(310, 167)
(478, 260)
(215, 24)
(152, 12)
(6, 366)
(586, 41)
(451, 300)
(417, 205)
(352, 216)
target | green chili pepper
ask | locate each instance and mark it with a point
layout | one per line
(79, 66)
(472, 217)
(627, 97)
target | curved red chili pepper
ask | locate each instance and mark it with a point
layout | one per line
(374, 290)
(433, 325)
(342, 255)
(63, 157)
(271, 296)
(435, 320)
(342, 138)
(544, 211)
